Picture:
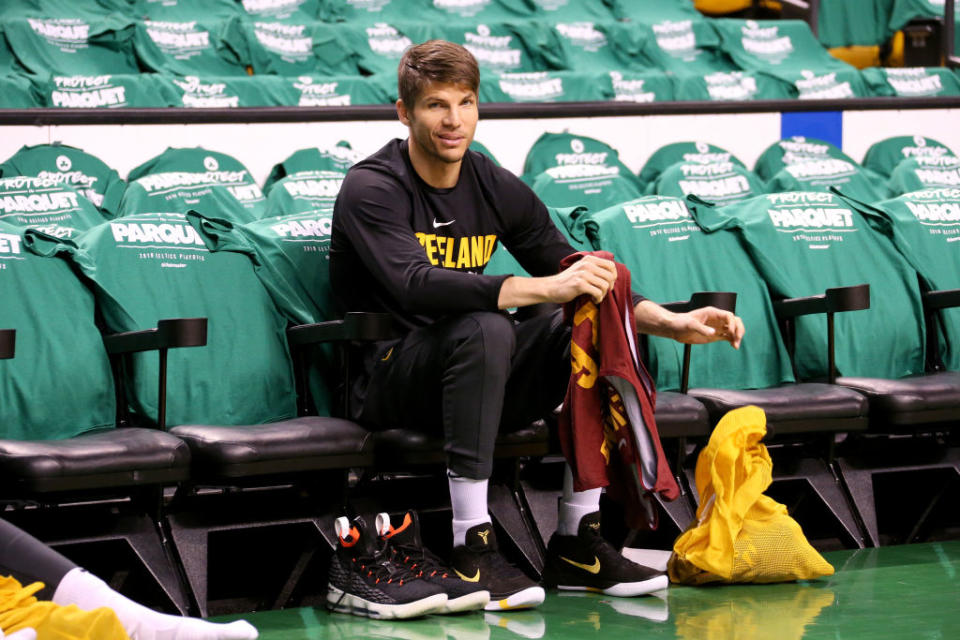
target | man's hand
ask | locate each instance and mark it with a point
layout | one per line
(700, 326)
(590, 275)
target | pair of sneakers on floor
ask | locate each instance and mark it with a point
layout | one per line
(390, 574)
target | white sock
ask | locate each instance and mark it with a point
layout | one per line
(468, 499)
(89, 592)
(575, 504)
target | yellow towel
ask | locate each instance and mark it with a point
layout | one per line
(19, 609)
(741, 535)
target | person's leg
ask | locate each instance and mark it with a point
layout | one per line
(30, 560)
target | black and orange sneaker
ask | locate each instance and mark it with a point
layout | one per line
(587, 562)
(479, 561)
(364, 579)
(408, 550)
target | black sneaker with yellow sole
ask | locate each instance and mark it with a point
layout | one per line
(479, 561)
(407, 548)
(587, 562)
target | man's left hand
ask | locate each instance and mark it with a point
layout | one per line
(707, 324)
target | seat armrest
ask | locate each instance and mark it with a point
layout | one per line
(942, 299)
(355, 326)
(832, 301)
(169, 334)
(725, 300)
(8, 343)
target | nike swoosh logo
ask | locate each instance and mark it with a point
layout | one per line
(476, 577)
(437, 225)
(592, 568)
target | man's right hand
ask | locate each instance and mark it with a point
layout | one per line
(590, 275)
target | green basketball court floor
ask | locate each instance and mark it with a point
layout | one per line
(909, 591)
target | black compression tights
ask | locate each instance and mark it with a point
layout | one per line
(29, 560)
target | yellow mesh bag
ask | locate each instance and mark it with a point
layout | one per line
(740, 534)
(20, 610)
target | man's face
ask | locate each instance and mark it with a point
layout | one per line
(442, 122)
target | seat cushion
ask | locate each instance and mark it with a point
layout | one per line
(793, 408)
(680, 416)
(114, 458)
(420, 447)
(934, 397)
(300, 444)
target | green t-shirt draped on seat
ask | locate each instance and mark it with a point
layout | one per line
(924, 172)
(547, 86)
(280, 10)
(16, 92)
(720, 182)
(299, 49)
(184, 10)
(60, 384)
(304, 192)
(108, 91)
(670, 258)
(804, 243)
(820, 175)
(607, 46)
(339, 157)
(911, 83)
(720, 86)
(567, 150)
(82, 171)
(46, 204)
(699, 152)
(191, 48)
(854, 22)
(183, 174)
(72, 46)
(884, 155)
(794, 150)
(152, 266)
(593, 186)
(925, 228)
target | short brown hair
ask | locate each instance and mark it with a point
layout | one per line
(435, 61)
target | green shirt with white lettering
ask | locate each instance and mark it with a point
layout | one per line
(331, 91)
(794, 150)
(546, 86)
(86, 173)
(505, 47)
(670, 154)
(297, 49)
(155, 266)
(821, 175)
(184, 10)
(339, 157)
(608, 46)
(567, 150)
(722, 86)
(925, 228)
(806, 242)
(191, 48)
(588, 185)
(106, 91)
(669, 258)
(72, 46)
(57, 341)
(280, 10)
(722, 183)
(230, 92)
(304, 192)
(924, 172)
(46, 204)
(183, 178)
(884, 155)
(911, 83)
(289, 255)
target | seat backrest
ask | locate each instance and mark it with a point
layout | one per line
(925, 227)
(773, 46)
(291, 49)
(547, 86)
(820, 175)
(804, 243)
(796, 150)
(670, 258)
(148, 267)
(594, 186)
(607, 46)
(74, 167)
(61, 385)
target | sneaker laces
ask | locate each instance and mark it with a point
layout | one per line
(425, 564)
(380, 567)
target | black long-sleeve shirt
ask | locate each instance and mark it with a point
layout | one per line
(400, 246)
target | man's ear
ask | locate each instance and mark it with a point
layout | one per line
(402, 113)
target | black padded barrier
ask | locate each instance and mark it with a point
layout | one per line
(488, 111)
